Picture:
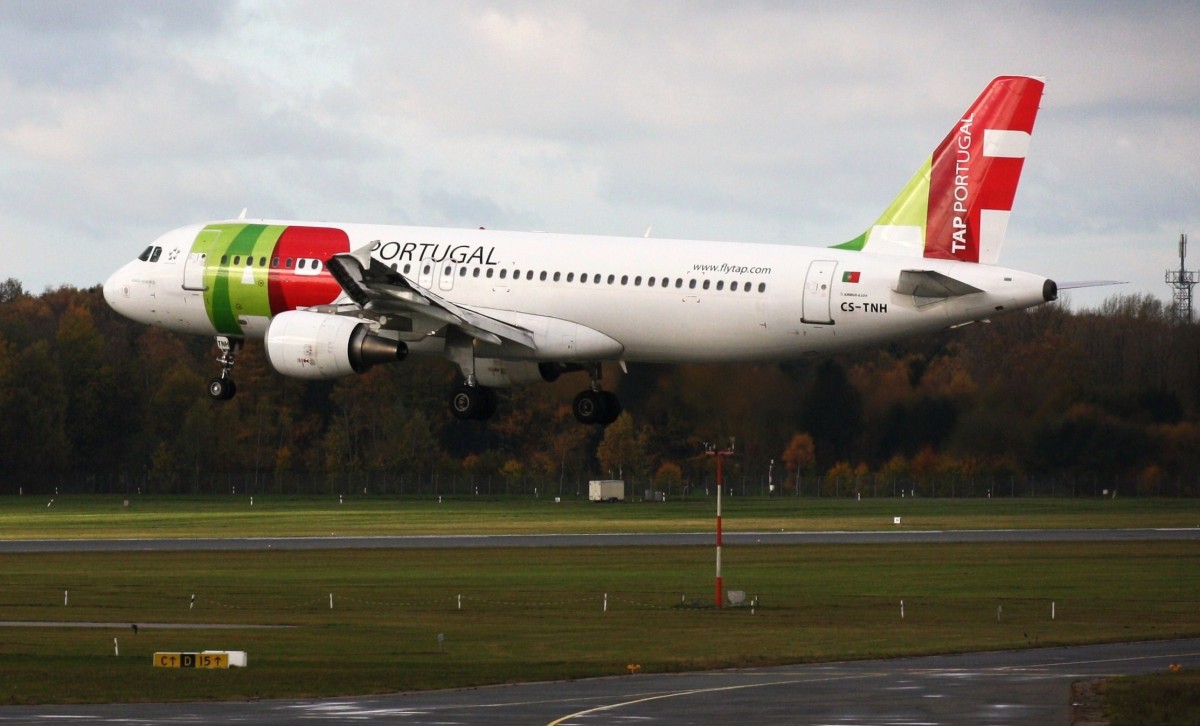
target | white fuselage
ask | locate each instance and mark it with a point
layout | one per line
(661, 300)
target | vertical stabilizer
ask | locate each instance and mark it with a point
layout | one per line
(956, 206)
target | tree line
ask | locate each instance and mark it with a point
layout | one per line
(1069, 401)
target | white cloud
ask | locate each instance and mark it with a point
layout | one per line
(788, 122)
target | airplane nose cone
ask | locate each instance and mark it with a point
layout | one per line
(117, 291)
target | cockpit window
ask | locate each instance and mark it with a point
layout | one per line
(146, 253)
(155, 254)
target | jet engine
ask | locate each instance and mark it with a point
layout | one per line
(312, 345)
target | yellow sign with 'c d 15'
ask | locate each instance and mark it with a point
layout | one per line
(206, 659)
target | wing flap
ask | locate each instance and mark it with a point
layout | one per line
(375, 287)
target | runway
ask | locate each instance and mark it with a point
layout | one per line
(636, 539)
(1010, 687)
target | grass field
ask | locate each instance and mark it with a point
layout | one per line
(235, 516)
(530, 614)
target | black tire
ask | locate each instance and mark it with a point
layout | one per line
(588, 407)
(221, 389)
(465, 403)
(487, 406)
(612, 407)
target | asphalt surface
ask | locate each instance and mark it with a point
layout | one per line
(1010, 687)
(893, 536)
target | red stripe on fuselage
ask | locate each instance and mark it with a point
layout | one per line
(289, 290)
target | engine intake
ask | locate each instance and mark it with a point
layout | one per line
(304, 344)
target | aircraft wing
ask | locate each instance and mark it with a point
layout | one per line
(376, 288)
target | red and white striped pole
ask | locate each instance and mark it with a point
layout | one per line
(720, 485)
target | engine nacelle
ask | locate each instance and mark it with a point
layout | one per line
(312, 345)
(497, 373)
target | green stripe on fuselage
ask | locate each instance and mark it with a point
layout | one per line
(240, 289)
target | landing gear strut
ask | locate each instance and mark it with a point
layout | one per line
(222, 388)
(595, 406)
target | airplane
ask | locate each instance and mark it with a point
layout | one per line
(511, 308)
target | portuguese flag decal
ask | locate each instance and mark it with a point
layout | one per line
(850, 276)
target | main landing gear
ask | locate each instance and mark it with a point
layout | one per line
(471, 401)
(594, 406)
(222, 388)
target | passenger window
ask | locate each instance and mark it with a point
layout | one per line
(407, 268)
(691, 284)
(733, 287)
(462, 272)
(705, 284)
(299, 265)
(475, 272)
(447, 271)
(542, 276)
(637, 280)
(762, 287)
(557, 276)
(287, 264)
(237, 260)
(249, 262)
(274, 262)
(262, 261)
(650, 282)
(224, 260)
(596, 279)
(611, 278)
(678, 283)
(624, 279)
(425, 270)
(529, 275)
(490, 272)
(720, 284)
(570, 277)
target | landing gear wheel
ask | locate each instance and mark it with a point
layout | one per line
(612, 406)
(589, 408)
(221, 389)
(472, 402)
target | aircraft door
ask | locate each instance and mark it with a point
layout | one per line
(197, 259)
(425, 278)
(193, 271)
(818, 288)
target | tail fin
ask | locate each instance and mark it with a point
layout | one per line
(956, 206)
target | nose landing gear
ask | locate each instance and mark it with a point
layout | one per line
(222, 388)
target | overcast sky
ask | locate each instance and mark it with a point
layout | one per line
(777, 122)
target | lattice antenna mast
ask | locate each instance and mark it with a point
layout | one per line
(1183, 281)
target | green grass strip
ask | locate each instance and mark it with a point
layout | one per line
(531, 614)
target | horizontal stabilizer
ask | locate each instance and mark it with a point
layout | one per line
(930, 284)
(1089, 283)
